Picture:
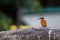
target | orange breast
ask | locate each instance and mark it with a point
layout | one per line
(44, 23)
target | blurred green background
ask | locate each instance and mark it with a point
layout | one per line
(9, 10)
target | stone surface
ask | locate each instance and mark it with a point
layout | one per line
(30, 34)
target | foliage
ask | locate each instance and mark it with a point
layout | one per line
(5, 21)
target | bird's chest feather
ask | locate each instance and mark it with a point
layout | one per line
(43, 22)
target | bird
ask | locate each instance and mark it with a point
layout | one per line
(43, 22)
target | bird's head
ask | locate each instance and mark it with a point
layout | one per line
(41, 18)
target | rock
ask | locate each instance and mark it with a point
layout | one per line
(30, 34)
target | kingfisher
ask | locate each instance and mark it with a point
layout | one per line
(43, 22)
